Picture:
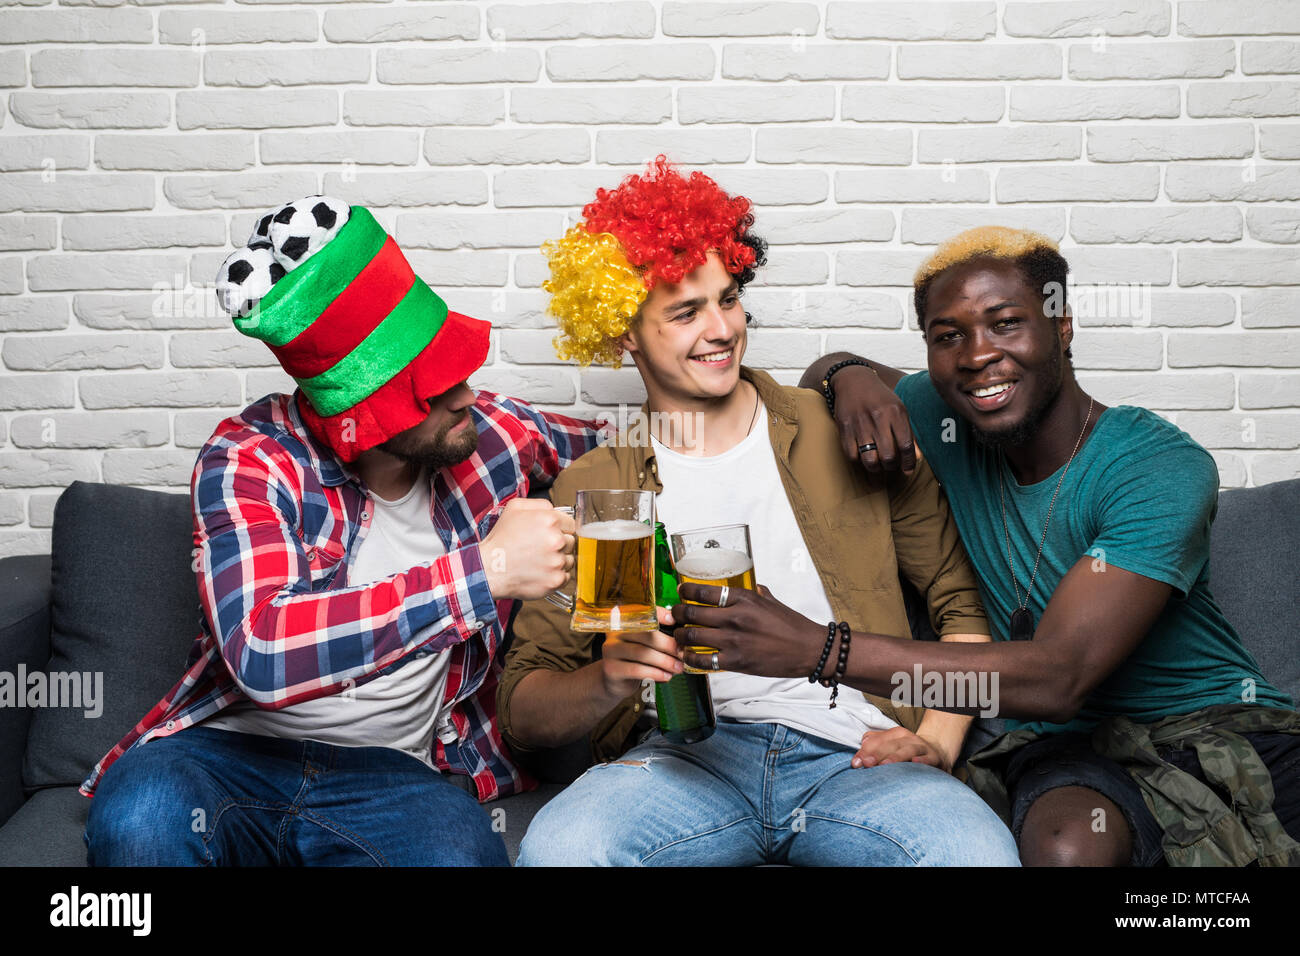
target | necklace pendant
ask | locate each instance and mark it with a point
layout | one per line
(1022, 625)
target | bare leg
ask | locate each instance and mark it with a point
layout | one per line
(1064, 828)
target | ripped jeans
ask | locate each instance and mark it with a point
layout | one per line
(763, 793)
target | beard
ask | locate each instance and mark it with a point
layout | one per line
(438, 452)
(1019, 433)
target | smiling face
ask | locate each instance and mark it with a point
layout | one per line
(690, 337)
(994, 356)
(445, 438)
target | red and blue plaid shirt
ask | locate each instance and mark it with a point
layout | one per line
(278, 521)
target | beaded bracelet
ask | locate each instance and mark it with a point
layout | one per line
(816, 675)
(841, 665)
(830, 373)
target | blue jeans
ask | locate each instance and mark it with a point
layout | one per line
(205, 797)
(763, 793)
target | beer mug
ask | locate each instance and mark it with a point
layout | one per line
(718, 556)
(614, 568)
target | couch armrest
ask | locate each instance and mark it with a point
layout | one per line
(25, 591)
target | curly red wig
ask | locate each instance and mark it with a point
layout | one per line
(667, 223)
(657, 226)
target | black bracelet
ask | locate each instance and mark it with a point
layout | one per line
(830, 373)
(816, 675)
(841, 665)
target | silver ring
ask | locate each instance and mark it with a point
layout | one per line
(715, 661)
(868, 446)
(722, 598)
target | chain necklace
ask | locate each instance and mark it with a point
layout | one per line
(1022, 621)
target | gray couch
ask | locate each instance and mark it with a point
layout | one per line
(117, 596)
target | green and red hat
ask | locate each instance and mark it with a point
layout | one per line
(367, 341)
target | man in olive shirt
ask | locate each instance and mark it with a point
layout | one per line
(777, 781)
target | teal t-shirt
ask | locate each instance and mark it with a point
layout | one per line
(1140, 495)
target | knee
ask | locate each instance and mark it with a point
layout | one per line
(558, 836)
(144, 816)
(468, 834)
(1058, 839)
(549, 841)
(1069, 845)
(479, 843)
(960, 828)
(976, 836)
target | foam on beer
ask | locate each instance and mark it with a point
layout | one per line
(621, 529)
(714, 563)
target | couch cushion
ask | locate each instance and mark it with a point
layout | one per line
(1255, 573)
(47, 830)
(125, 606)
(24, 644)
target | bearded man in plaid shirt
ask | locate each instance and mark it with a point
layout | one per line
(358, 546)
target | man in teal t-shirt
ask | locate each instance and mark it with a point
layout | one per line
(1140, 728)
(1139, 495)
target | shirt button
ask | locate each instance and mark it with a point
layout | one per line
(365, 516)
(171, 724)
(473, 625)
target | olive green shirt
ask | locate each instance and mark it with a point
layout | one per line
(860, 533)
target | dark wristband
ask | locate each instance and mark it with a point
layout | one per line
(830, 373)
(816, 675)
(841, 666)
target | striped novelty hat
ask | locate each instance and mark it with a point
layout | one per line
(367, 341)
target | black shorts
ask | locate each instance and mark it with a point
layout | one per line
(1068, 760)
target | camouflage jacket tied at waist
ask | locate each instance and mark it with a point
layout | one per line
(1199, 828)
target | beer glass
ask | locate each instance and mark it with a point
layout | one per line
(718, 556)
(614, 572)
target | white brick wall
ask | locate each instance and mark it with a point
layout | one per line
(1156, 139)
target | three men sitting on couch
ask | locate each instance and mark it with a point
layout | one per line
(355, 578)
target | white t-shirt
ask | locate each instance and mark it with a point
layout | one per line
(743, 486)
(398, 709)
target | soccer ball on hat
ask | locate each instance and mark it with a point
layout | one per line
(299, 228)
(262, 231)
(246, 276)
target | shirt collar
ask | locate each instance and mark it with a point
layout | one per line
(773, 396)
(329, 467)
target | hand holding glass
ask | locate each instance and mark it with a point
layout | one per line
(720, 556)
(614, 574)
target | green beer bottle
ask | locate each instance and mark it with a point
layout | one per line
(684, 703)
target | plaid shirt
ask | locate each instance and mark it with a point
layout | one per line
(278, 522)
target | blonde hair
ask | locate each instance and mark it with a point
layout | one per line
(1037, 256)
(996, 242)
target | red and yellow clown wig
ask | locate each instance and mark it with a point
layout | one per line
(656, 226)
